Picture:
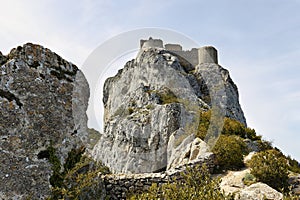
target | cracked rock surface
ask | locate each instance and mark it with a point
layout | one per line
(43, 99)
(155, 97)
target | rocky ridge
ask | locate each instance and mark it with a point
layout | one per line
(43, 100)
(152, 106)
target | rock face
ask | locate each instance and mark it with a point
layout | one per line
(43, 100)
(259, 191)
(294, 181)
(155, 97)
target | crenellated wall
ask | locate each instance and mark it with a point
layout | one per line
(195, 56)
(118, 186)
(190, 55)
(151, 43)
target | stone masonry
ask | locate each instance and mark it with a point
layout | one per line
(195, 56)
(119, 186)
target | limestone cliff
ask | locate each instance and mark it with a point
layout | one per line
(152, 108)
(43, 100)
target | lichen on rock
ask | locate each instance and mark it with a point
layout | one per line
(43, 99)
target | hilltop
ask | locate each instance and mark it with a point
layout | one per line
(173, 129)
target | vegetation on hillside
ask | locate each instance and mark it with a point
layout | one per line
(77, 177)
(234, 127)
(230, 127)
(270, 167)
(230, 151)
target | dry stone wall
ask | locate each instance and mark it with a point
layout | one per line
(118, 186)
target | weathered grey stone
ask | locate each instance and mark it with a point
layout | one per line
(154, 97)
(232, 183)
(228, 99)
(185, 151)
(294, 181)
(120, 185)
(43, 99)
(208, 54)
(258, 191)
(252, 145)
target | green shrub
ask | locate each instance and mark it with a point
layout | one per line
(264, 145)
(234, 127)
(229, 151)
(196, 184)
(270, 167)
(204, 121)
(167, 96)
(81, 182)
(56, 179)
(249, 179)
(78, 177)
(230, 127)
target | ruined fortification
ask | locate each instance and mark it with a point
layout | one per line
(205, 54)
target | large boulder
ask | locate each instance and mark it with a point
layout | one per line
(43, 102)
(154, 97)
(233, 183)
(258, 191)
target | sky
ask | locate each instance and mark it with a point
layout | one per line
(257, 41)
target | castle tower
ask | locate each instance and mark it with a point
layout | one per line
(207, 54)
(151, 43)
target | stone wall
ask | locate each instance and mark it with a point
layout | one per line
(208, 54)
(195, 56)
(118, 186)
(173, 47)
(189, 55)
(151, 43)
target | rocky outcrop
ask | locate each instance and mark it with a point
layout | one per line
(258, 191)
(211, 74)
(187, 151)
(43, 99)
(294, 181)
(233, 183)
(155, 97)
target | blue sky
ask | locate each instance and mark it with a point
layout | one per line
(258, 42)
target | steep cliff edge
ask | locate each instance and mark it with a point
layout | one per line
(152, 110)
(43, 100)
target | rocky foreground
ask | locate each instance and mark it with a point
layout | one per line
(43, 100)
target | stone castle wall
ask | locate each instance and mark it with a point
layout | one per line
(118, 186)
(208, 54)
(173, 47)
(195, 56)
(151, 43)
(190, 55)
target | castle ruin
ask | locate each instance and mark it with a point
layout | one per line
(195, 56)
